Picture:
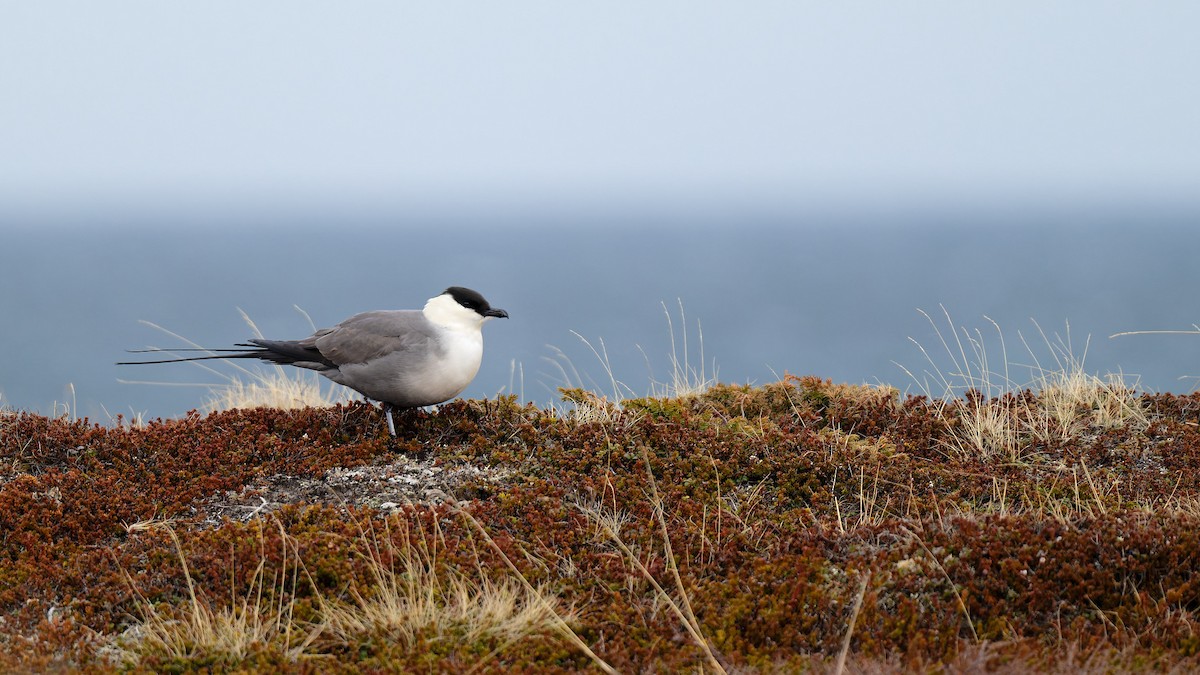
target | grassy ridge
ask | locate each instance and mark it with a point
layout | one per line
(796, 525)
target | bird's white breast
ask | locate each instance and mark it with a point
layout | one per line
(460, 360)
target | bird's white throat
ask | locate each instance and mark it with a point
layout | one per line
(447, 313)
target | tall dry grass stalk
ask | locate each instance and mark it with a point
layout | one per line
(259, 620)
(995, 419)
(840, 664)
(684, 379)
(558, 622)
(1073, 401)
(1194, 331)
(408, 595)
(609, 524)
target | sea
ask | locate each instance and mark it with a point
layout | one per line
(613, 300)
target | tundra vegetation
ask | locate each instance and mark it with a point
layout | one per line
(974, 525)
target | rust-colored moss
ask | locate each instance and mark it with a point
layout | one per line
(777, 499)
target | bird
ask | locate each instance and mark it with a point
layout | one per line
(403, 358)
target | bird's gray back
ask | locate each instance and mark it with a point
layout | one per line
(374, 335)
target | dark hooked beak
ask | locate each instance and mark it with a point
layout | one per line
(498, 313)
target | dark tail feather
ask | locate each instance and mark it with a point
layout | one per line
(288, 352)
(282, 352)
(157, 350)
(225, 354)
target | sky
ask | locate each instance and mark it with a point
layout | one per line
(413, 146)
(367, 105)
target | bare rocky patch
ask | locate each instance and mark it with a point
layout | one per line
(387, 487)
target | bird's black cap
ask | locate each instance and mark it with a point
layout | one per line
(472, 300)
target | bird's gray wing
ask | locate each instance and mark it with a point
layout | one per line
(373, 335)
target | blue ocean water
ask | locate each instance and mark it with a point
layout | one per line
(829, 294)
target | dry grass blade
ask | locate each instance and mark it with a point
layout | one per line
(840, 666)
(556, 620)
(685, 379)
(407, 594)
(957, 590)
(669, 554)
(259, 619)
(410, 594)
(996, 418)
(682, 608)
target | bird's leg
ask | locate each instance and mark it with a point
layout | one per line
(387, 411)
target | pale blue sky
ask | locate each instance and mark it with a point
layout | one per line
(393, 103)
